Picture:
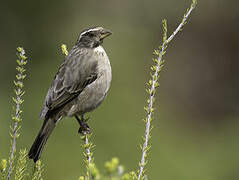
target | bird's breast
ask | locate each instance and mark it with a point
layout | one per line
(99, 50)
(104, 68)
(94, 94)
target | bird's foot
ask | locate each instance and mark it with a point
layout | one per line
(84, 129)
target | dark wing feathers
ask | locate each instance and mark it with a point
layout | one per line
(78, 70)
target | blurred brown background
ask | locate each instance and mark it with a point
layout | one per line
(195, 133)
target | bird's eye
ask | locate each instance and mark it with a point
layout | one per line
(90, 34)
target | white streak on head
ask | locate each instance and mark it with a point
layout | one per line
(91, 30)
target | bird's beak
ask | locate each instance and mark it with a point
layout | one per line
(105, 33)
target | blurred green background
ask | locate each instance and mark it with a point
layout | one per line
(195, 133)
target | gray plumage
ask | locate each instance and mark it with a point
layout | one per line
(79, 86)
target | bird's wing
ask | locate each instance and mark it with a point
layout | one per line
(78, 70)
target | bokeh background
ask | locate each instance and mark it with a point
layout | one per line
(195, 133)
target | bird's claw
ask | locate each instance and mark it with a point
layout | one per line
(84, 129)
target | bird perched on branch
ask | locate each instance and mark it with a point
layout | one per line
(79, 86)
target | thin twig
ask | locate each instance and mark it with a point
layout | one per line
(185, 18)
(87, 149)
(37, 171)
(13, 149)
(154, 84)
(18, 101)
(88, 155)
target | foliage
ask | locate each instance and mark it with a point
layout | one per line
(18, 165)
(154, 83)
(21, 165)
(38, 170)
(113, 171)
(16, 117)
(3, 167)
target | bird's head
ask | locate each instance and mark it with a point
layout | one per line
(93, 37)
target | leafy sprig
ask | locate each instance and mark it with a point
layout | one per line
(17, 99)
(154, 83)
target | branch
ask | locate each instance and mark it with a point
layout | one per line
(88, 155)
(87, 149)
(37, 171)
(21, 61)
(154, 83)
(184, 21)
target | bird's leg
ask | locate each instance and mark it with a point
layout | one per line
(84, 127)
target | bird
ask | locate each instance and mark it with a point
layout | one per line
(79, 86)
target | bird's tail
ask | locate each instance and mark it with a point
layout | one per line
(41, 139)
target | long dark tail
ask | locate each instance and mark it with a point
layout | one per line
(41, 139)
